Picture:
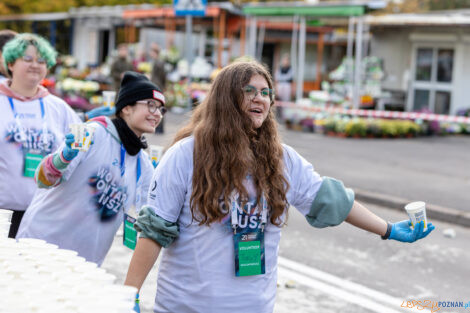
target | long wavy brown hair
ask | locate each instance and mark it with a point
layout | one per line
(227, 148)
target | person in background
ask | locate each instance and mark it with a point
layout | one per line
(220, 197)
(158, 74)
(141, 56)
(83, 195)
(33, 121)
(284, 76)
(120, 65)
(5, 36)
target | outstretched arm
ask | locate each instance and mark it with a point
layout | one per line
(361, 217)
(49, 172)
(144, 257)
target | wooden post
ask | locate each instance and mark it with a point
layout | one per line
(220, 47)
(133, 33)
(126, 32)
(320, 46)
(166, 23)
(170, 27)
(242, 37)
(230, 42)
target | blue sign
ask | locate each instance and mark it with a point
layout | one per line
(190, 7)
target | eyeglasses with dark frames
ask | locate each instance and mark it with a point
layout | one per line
(153, 106)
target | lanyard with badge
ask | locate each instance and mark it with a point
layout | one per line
(249, 247)
(32, 157)
(130, 234)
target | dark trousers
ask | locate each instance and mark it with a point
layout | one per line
(16, 218)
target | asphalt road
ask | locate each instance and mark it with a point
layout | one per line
(433, 169)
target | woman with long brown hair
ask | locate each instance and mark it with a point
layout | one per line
(220, 195)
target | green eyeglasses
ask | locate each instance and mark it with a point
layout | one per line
(251, 92)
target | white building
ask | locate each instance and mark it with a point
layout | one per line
(425, 58)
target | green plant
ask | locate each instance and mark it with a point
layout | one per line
(340, 127)
(356, 128)
(330, 125)
(373, 128)
(415, 129)
(388, 128)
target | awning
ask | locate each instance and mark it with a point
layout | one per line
(315, 11)
(442, 19)
(57, 16)
(211, 11)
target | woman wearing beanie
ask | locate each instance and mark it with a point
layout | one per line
(84, 195)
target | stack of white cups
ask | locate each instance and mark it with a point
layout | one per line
(5, 222)
(36, 276)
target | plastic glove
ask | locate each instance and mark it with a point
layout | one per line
(69, 153)
(103, 110)
(402, 231)
(136, 306)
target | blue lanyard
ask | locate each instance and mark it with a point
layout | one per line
(123, 165)
(15, 114)
(18, 122)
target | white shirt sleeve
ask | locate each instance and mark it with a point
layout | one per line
(170, 181)
(304, 182)
(147, 173)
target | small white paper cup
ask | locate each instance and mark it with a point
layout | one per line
(85, 267)
(5, 215)
(34, 242)
(417, 213)
(75, 129)
(108, 98)
(155, 152)
(90, 129)
(125, 293)
(4, 229)
(82, 141)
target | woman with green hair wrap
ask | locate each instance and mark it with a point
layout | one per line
(15, 49)
(33, 122)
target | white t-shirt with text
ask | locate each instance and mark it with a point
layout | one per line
(85, 210)
(16, 190)
(197, 271)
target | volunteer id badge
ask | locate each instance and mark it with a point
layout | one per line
(249, 253)
(130, 234)
(31, 163)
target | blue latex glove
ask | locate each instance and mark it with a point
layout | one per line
(103, 110)
(402, 231)
(69, 153)
(136, 306)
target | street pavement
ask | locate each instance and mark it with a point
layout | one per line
(344, 269)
